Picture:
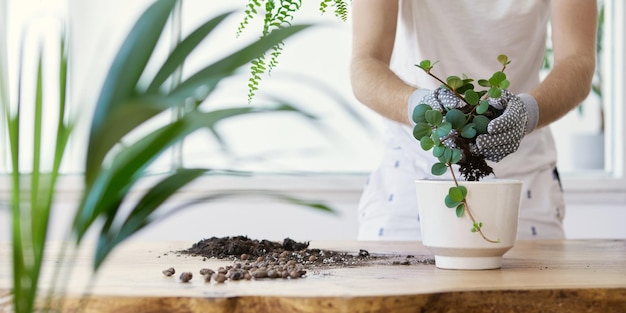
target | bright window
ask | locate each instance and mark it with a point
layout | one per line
(313, 75)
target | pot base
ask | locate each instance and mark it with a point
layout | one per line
(468, 263)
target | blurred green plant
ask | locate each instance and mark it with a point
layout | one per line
(32, 194)
(451, 133)
(113, 170)
(279, 13)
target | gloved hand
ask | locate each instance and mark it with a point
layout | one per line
(438, 99)
(505, 132)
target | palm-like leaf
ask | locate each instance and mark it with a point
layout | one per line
(110, 174)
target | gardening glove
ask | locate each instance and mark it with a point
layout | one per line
(505, 132)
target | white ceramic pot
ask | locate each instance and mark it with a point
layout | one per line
(493, 202)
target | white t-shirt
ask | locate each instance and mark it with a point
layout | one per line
(437, 30)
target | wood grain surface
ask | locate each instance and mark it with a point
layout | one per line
(537, 276)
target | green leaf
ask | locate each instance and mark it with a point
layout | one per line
(447, 155)
(438, 169)
(460, 210)
(484, 83)
(466, 86)
(495, 92)
(107, 192)
(497, 78)
(472, 97)
(421, 130)
(505, 84)
(468, 131)
(426, 65)
(456, 118)
(482, 107)
(434, 117)
(444, 129)
(140, 215)
(463, 190)
(454, 82)
(121, 80)
(426, 143)
(456, 156)
(210, 76)
(180, 53)
(456, 194)
(435, 138)
(419, 113)
(480, 124)
(449, 202)
(438, 150)
(503, 59)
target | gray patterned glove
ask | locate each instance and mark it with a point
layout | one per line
(505, 132)
(442, 98)
(438, 99)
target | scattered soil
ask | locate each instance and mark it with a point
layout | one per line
(234, 248)
(289, 259)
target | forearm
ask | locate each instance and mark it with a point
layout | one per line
(376, 86)
(567, 85)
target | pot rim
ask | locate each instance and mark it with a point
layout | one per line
(485, 181)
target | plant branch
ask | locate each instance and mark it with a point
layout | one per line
(448, 86)
(467, 209)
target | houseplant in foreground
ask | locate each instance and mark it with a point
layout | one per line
(115, 163)
(491, 206)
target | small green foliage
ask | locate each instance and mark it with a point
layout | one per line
(419, 113)
(434, 117)
(278, 14)
(460, 210)
(483, 83)
(457, 194)
(444, 129)
(421, 130)
(426, 65)
(504, 60)
(469, 131)
(456, 118)
(439, 169)
(482, 107)
(454, 82)
(495, 92)
(450, 202)
(497, 78)
(476, 227)
(439, 150)
(472, 97)
(456, 156)
(341, 8)
(426, 143)
(480, 124)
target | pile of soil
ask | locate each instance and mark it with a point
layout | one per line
(237, 248)
(243, 248)
(261, 259)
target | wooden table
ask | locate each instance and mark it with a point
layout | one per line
(537, 276)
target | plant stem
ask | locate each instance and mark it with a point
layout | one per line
(467, 209)
(448, 86)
